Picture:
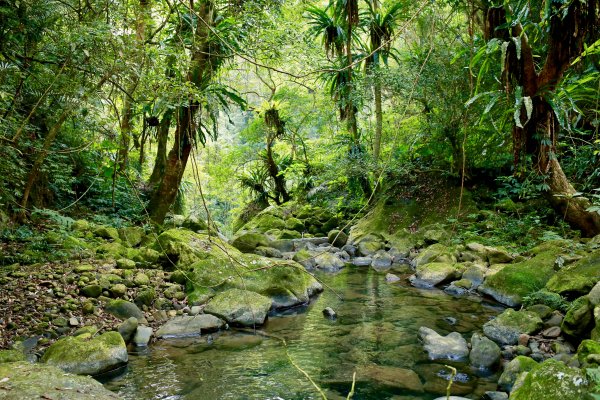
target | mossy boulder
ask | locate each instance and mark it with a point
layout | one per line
(579, 319)
(306, 258)
(147, 256)
(183, 247)
(435, 253)
(284, 281)
(125, 263)
(513, 369)
(87, 357)
(73, 243)
(436, 273)
(506, 328)
(577, 279)
(294, 224)
(106, 232)
(247, 242)
(81, 225)
(11, 355)
(484, 352)
(337, 238)
(91, 291)
(112, 250)
(132, 236)
(195, 224)
(239, 307)
(22, 380)
(552, 380)
(264, 221)
(515, 281)
(586, 348)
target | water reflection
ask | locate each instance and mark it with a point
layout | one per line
(375, 334)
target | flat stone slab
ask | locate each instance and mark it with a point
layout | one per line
(186, 326)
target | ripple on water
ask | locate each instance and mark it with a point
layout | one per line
(376, 328)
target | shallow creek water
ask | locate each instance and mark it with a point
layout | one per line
(376, 327)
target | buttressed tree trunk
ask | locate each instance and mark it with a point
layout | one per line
(538, 135)
(203, 65)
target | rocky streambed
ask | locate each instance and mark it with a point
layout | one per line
(402, 312)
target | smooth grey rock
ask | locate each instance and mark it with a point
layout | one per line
(240, 307)
(381, 261)
(484, 352)
(495, 396)
(451, 347)
(329, 262)
(362, 261)
(127, 328)
(142, 336)
(184, 326)
(391, 278)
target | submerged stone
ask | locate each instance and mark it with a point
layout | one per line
(184, 326)
(452, 346)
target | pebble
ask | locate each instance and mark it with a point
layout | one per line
(523, 339)
(73, 321)
(329, 313)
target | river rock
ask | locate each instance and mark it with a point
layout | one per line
(438, 272)
(328, 262)
(579, 318)
(127, 328)
(240, 307)
(495, 396)
(22, 380)
(88, 357)
(391, 278)
(577, 279)
(337, 238)
(508, 326)
(398, 378)
(329, 313)
(124, 309)
(91, 291)
(435, 253)
(125, 263)
(552, 380)
(184, 326)
(484, 353)
(142, 336)
(513, 369)
(381, 261)
(452, 346)
(362, 261)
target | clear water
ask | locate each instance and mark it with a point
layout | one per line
(376, 327)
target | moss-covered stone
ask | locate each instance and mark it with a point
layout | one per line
(106, 232)
(294, 224)
(305, 258)
(586, 348)
(112, 250)
(91, 291)
(183, 247)
(22, 380)
(579, 319)
(439, 272)
(247, 242)
(515, 281)
(147, 256)
(552, 380)
(145, 297)
(577, 279)
(508, 326)
(132, 236)
(87, 357)
(7, 356)
(513, 369)
(125, 263)
(195, 224)
(81, 225)
(239, 307)
(337, 238)
(435, 253)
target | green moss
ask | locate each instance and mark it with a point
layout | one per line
(294, 224)
(11, 356)
(106, 232)
(577, 279)
(112, 250)
(513, 369)
(578, 320)
(586, 348)
(550, 299)
(240, 307)
(515, 281)
(552, 380)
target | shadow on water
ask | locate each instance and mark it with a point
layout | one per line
(375, 334)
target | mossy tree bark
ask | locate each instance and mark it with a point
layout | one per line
(538, 135)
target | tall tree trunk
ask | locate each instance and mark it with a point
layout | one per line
(134, 79)
(165, 193)
(538, 136)
(378, 120)
(160, 161)
(203, 65)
